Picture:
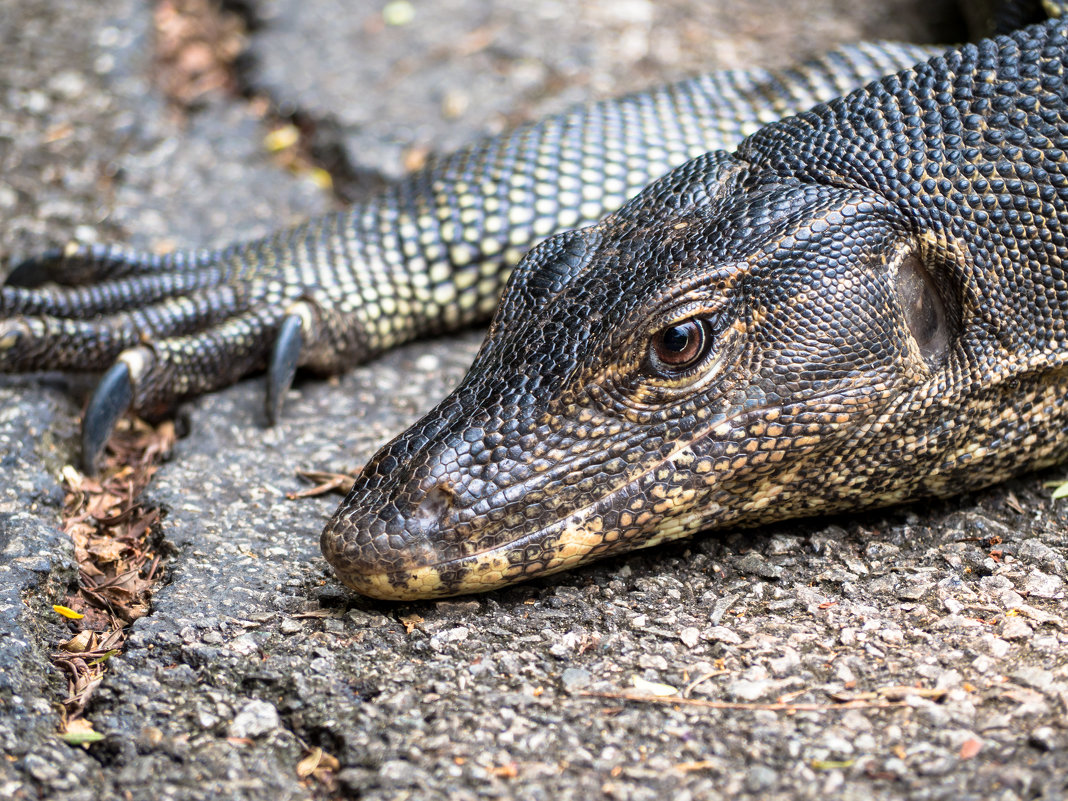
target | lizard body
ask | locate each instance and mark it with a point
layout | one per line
(862, 304)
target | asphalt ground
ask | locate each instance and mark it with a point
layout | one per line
(788, 646)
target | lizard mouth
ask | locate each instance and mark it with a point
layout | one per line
(416, 570)
(579, 537)
(642, 511)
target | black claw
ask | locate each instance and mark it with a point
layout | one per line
(111, 398)
(34, 271)
(283, 365)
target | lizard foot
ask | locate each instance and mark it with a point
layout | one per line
(160, 330)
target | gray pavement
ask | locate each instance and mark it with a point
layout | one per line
(253, 653)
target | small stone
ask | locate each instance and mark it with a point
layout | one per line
(1043, 585)
(256, 719)
(756, 564)
(755, 673)
(68, 83)
(356, 780)
(956, 622)
(1047, 558)
(865, 743)
(996, 582)
(291, 626)
(428, 363)
(366, 620)
(151, 737)
(41, 769)
(760, 778)
(721, 606)
(443, 638)
(1033, 677)
(785, 664)
(322, 665)
(569, 643)
(935, 716)
(1044, 738)
(948, 680)
(937, 766)
(914, 588)
(892, 636)
(983, 663)
(690, 636)
(575, 679)
(838, 745)
(37, 102)
(1008, 599)
(896, 767)
(998, 647)
(745, 690)
(8, 197)
(855, 565)
(245, 644)
(331, 595)
(723, 634)
(652, 662)
(1016, 628)
(206, 720)
(843, 673)
(399, 772)
(509, 663)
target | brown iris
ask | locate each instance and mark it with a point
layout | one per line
(680, 346)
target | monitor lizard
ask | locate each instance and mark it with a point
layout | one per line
(848, 307)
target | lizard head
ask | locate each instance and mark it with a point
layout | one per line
(724, 350)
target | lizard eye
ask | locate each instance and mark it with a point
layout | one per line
(679, 346)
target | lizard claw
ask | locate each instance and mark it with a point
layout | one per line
(283, 364)
(32, 272)
(112, 397)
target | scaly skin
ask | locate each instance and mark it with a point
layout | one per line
(872, 306)
(428, 255)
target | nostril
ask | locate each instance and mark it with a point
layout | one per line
(437, 502)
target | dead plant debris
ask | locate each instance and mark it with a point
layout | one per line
(880, 698)
(197, 47)
(197, 44)
(323, 482)
(319, 765)
(117, 545)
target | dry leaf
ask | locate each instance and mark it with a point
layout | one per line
(80, 732)
(106, 549)
(306, 767)
(653, 687)
(82, 641)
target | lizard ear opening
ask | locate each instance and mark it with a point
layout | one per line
(925, 313)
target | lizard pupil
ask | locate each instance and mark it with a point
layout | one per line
(681, 345)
